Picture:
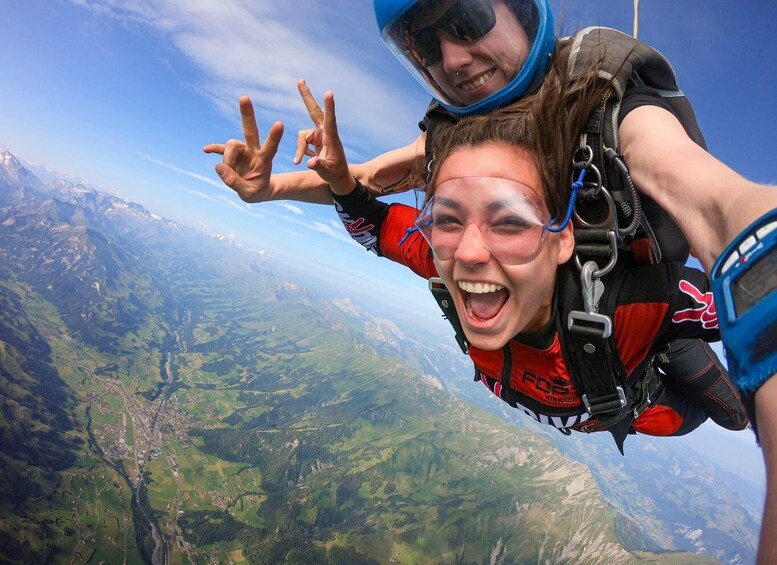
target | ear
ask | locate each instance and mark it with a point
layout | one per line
(566, 244)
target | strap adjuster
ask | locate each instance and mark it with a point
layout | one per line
(589, 324)
(608, 403)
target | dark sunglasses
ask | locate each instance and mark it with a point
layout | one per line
(465, 21)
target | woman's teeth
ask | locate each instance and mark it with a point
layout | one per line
(479, 288)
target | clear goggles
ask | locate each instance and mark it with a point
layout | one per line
(415, 38)
(507, 216)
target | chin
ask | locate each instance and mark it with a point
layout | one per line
(486, 341)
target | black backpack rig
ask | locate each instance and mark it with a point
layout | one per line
(612, 220)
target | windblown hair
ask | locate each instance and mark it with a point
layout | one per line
(547, 124)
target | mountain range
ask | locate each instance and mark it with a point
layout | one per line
(171, 397)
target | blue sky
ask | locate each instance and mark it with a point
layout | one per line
(123, 94)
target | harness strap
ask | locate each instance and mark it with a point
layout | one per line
(646, 390)
(589, 347)
(445, 302)
(624, 62)
(592, 357)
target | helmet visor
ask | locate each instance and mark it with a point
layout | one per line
(464, 51)
(506, 215)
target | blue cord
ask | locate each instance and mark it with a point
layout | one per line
(577, 185)
(410, 231)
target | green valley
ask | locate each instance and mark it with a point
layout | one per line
(168, 398)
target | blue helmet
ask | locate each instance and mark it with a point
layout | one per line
(471, 55)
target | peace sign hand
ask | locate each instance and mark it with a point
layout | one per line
(328, 156)
(247, 165)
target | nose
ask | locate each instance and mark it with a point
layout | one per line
(472, 249)
(455, 53)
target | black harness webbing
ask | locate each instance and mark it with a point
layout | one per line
(588, 345)
(445, 302)
(592, 358)
(628, 62)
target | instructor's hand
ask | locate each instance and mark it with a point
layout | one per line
(247, 165)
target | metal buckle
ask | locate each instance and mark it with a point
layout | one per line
(604, 405)
(638, 410)
(436, 283)
(590, 322)
(594, 325)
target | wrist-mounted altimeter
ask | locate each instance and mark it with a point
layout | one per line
(744, 283)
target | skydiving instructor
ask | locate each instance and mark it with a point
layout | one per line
(477, 55)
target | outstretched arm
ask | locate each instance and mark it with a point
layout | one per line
(710, 202)
(395, 170)
(713, 205)
(766, 416)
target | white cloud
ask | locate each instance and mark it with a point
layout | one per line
(332, 228)
(296, 210)
(226, 201)
(261, 48)
(335, 232)
(201, 195)
(199, 177)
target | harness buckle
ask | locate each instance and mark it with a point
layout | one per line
(640, 408)
(591, 324)
(650, 387)
(607, 403)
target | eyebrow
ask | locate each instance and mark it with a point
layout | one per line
(491, 208)
(447, 202)
(496, 206)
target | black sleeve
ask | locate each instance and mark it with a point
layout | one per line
(678, 106)
(362, 215)
(636, 96)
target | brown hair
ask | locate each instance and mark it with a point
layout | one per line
(547, 124)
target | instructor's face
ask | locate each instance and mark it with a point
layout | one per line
(470, 71)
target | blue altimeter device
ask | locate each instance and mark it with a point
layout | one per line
(744, 283)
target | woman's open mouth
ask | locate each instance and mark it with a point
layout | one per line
(483, 301)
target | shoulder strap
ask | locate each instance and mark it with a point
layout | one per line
(435, 116)
(625, 61)
(619, 56)
(445, 301)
